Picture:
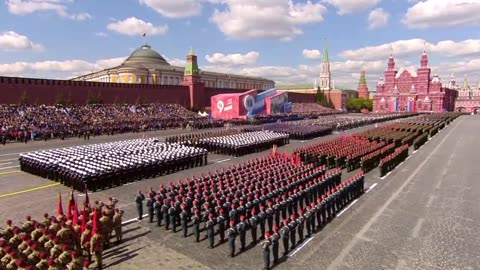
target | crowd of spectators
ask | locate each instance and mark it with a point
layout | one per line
(40, 122)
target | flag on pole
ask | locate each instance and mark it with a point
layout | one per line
(84, 219)
(59, 206)
(70, 205)
(75, 215)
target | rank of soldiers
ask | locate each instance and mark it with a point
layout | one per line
(273, 194)
(370, 161)
(100, 166)
(344, 151)
(391, 161)
(297, 132)
(73, 240)
(243, 143)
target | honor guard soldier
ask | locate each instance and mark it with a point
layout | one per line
(261, 219)
(300, 225)
(275, 245)
(308, 221)
(313, 211)
(266, 251)
(150, 202)
(285, 235)
(253, 222)
(172, 214)
(210, 226)
(196, 225)
(139, 202)
(221, 226)
(242, 231)
(157, 207)
(232, 235)
(293, 231)
(165, 215)
(269, 216)
(184, 219)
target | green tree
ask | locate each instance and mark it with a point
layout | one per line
(357, 104)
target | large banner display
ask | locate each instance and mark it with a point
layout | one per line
(276, 104)
(242, 105)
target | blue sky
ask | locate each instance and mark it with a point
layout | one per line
(276, 39)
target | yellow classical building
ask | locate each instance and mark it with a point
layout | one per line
(146, 66)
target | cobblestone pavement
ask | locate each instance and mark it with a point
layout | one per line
(421, 216)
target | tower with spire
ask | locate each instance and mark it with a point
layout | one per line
(193, 80)
(325, 74)
(362, 85)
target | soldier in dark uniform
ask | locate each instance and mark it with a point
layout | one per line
(196, 225)
(172, 212)
(165, 214)
(285, 235)
(221, 226)
(269, 216)
(266, 251)
(157, 206)
(300, 225)
(242, 231)
(308, 221)
(293, 230)
(210, 226)
(261, 219)
(275, 245)
(232, 235)
(184, 218)
(253, 222)
(149, 204)
(139, 202)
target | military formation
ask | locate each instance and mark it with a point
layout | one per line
(274, 200)
(297, 132)
(243, 143)
(100, 166)
(73, 240)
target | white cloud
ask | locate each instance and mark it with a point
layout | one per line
(446, 48)
(54, 69)
(12, 41)
(351, 6)
(175, 61)
(174, 8)
(232, 59)
(312, 54)
(378, 18)
(441, 13)
(101, 34)
(134, 27)
(256, 19)
(25, 7)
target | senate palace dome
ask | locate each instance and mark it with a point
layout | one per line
(145, 55)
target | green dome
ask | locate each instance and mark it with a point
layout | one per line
(145, 55)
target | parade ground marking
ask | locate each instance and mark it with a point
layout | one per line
(300, 247)
(10, 167)
(371, 187)
(5, 173)
(132, 220)
(223, 160)
(10, 154)
(348, 207)
(5, 163)
(29, 190)
(11, 159)
(385, 176)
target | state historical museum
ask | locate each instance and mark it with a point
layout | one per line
(410, 90)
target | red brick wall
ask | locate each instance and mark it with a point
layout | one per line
(301, 97)
(42, 91)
